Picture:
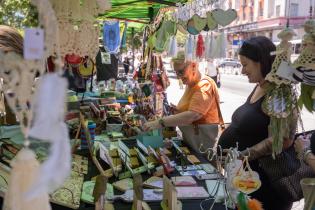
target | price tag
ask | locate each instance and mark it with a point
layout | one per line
(33, 43)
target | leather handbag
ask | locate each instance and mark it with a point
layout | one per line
(206, 135)
(285, 173)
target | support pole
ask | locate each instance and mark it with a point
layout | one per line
(133, 48)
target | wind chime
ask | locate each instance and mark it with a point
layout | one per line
(305, 67)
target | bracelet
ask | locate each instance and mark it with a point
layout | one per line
(305, 154)
(161, 122)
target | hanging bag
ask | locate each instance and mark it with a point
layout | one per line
(206, 135)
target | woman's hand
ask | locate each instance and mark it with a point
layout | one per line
(173, 109)
(151, 125)
(300, 145)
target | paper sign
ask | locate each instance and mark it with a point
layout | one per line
(286, 71)
(33, 43)
(105, 58)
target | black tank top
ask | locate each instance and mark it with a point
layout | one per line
(249, 126)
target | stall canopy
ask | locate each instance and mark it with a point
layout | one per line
(140, 11)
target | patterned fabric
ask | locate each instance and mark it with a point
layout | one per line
(111, 36)
(70, 193)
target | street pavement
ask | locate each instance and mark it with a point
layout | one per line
(233, 92)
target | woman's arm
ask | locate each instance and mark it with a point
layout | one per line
(265, 147)
(180, 119)
(310, 160)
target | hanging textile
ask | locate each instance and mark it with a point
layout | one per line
(124, 36)
(219, 46)
(189, 48)
(172, 51)
(106, 65)
(200, 48)
(111, 36)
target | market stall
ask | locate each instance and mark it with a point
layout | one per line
(81, 142)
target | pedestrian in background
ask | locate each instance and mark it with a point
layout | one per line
(126, 64)
(213, 72)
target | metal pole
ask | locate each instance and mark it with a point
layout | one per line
(133, 48)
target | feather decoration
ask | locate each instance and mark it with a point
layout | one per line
(25, 171)
(305, 98)
(53, 172)
(242, 201)
(254, 204)
(172, 51)
(200, 48)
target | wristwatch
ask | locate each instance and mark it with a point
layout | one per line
(161, 122)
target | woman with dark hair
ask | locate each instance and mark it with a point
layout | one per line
(249, 126)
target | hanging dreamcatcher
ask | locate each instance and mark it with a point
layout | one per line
(41, 118)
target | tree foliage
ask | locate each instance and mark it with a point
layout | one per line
(18, 13)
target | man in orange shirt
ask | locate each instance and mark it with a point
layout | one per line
(198, 105)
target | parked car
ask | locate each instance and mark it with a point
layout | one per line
(229, 62)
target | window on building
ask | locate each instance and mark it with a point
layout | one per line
(244, 15)
(261, 9)
(244, 2)
(271, 8)
(237, 4)
(277, 10)
(294, 10)
(251, 14)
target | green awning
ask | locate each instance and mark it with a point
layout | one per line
(136, 10)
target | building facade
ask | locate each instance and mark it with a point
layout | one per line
(266, 18)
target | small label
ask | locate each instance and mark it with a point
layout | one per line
(33, 43)
(286, 71)
(105, 58)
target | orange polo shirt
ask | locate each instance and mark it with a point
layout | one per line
(201, 99)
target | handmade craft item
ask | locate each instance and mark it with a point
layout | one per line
(246, 180)
(111, 36)
(279, 101)
(25, 171)
(222, 17)
(245, 203)
(54, 131)
(18, 75)
(211, 23)
(305, 70)
(76, 23)
(70, 193)
(170, 201)
(283, 54)
(200, 49)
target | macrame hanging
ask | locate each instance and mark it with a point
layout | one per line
(78, 34)
(279, 102)
(18, 75)
(200, 48)
(305, 68)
